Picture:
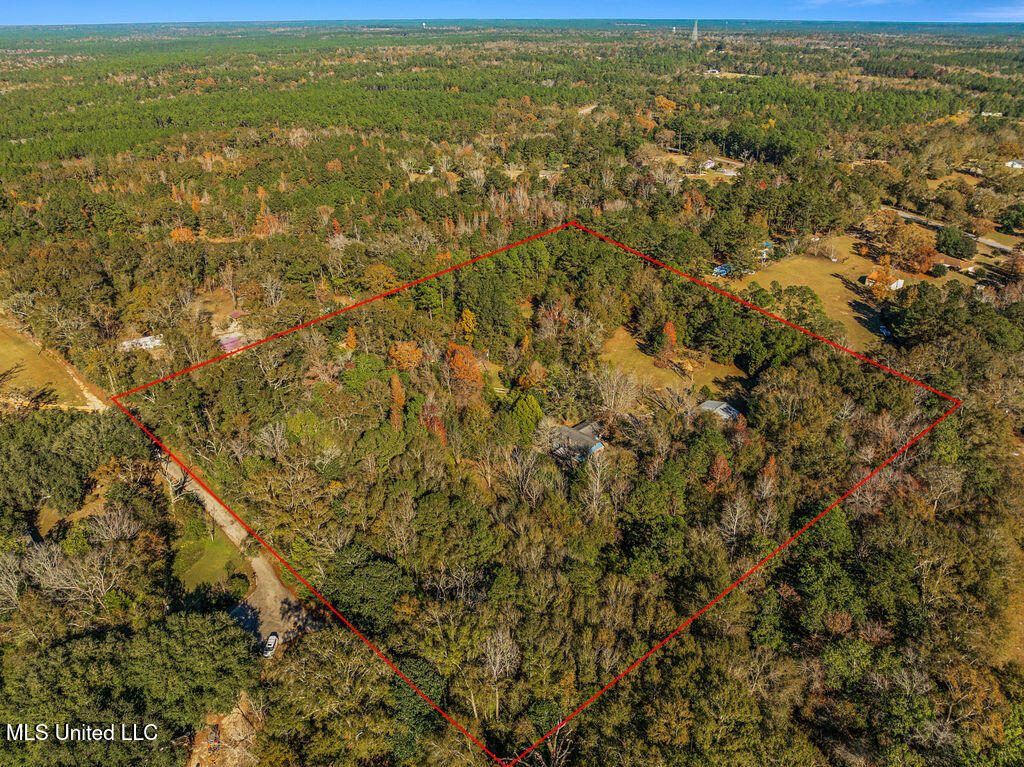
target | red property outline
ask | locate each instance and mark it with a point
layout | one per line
(692, 618)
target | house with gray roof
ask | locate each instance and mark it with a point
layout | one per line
(577, 442)
(723, 410)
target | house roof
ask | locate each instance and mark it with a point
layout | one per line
(723, 410)
(894, 282)
(583, 435)
(232, 343)
(959, 263)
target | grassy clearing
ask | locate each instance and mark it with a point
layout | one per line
(40, 369)
(935, 183)
(1004, 239)
(218, 304)
(206, 561)
(621, 351)
(838, 285)
(713, 176)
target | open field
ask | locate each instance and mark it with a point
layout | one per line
(1012, 240)
(838, 285)
(41, 369)
(218, 305)
(621, 350)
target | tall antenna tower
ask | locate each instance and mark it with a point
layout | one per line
(693, 34)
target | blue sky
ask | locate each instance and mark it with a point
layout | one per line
(113, 11)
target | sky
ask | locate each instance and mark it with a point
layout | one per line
(136, 11)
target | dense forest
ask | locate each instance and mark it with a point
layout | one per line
(200, 188)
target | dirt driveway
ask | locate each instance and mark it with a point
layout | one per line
(270, 606)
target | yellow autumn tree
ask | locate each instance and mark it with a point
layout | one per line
(467, 325)
(380, 277)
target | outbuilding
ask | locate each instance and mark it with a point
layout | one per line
(723, 410)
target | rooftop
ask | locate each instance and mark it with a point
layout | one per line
(577, 441)
(723, 410)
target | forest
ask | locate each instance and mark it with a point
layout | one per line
(170, 194)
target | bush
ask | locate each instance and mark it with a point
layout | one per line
(939, 270)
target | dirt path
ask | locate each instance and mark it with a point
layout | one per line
(92, 402)
(270, 607)
(230, 526)
(227, 739)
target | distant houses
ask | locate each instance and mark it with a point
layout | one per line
(577, 442)
(233, 338)
(723, 410)
(1015, 164)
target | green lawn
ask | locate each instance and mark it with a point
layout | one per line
(1004, 239)
(206, 561)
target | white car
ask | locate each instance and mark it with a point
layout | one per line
(271, 645)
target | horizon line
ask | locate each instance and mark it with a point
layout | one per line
(659, 20)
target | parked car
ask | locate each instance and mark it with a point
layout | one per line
(271, 645)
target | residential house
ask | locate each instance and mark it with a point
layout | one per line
(895, 283)
(577, 442)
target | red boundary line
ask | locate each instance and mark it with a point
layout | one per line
(692, 618)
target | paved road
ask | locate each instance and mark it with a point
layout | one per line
(270, 607)
(937, 224)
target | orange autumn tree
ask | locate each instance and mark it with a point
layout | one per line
(534, 376)
(405, 355)
(182, 234)
(880, 290)
(467, 377)
(720, 473)
(670, 335)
